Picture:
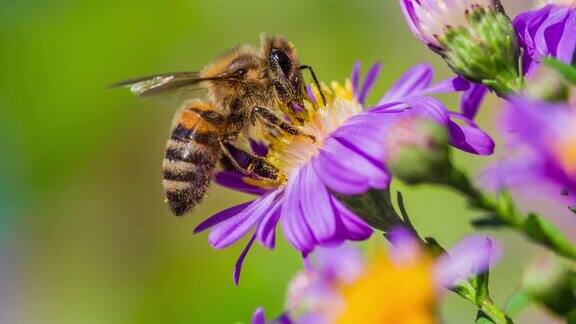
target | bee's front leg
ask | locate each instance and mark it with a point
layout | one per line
(270, 118)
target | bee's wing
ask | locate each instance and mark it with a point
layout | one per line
(160, 83)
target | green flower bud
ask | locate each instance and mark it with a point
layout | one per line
(484, 50)
(547, 85)
(551, 281)
(475, 38)
(417, 151)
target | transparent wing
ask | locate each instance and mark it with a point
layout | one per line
(160, 83)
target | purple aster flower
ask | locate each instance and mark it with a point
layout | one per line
(543, 137)
(348, 157)
(329, 288)
(547, 31)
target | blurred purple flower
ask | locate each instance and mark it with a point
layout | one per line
(347, 158)
(316, 291)
(544, 138)
(547, 31)
(472, 255)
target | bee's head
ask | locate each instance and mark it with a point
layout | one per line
(283, 69)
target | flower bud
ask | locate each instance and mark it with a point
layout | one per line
(551, 281)
(417, 150)
(475, 38)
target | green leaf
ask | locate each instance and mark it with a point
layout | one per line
(403, 211)
(567, 71)
(517, 302)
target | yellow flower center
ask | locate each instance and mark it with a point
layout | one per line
(390, 293)
(566, 152)
(289, 152)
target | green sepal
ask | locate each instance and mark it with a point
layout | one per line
(434, 247)
(375, 208)
(572, 209)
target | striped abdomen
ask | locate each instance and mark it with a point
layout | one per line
(191, 156)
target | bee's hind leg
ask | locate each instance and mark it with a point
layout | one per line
(249, 164)
(270, 118)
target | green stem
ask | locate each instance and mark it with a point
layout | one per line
(494, 313)
(503, 209)
(485, 305)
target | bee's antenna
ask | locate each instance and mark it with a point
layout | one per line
(308, 67)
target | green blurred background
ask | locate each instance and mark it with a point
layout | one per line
(84, 234)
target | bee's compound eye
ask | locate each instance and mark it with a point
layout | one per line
(240, 72)
(283, 61)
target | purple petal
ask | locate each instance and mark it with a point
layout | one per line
(513, 173)
(316, 207)
(356, 78)
(388, 107)
(356, 163)
(473, 255)
(310, 94)
(537, 123)
(546, 31)
(356, 228)
(427, 107)
(471, 100)
(567, 45)
(231, 230)
(547, 36)
(371, 76)
(469, 138)
(455, 84)
(339, 180)
(343, 263)
(234, 180)
(266, 231)
(259, 317)
(410, 83)
(369, 137)
(293, 224)
(411, 17)
(240, 261)
(284, 319)
(259, 148)
(405, 246)
(220, 217)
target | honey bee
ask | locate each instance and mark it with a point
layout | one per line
(245, 87)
